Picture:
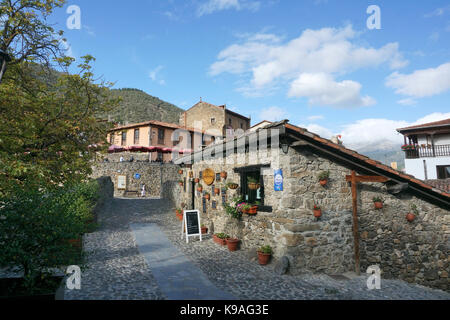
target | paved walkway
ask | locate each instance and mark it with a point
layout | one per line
(138, 253)
(177, 277)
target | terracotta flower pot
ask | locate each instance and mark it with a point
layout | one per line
(180, 183)
(204, 230)
(232, 244)
(191, 174)
(180, 171)
(233, 186)
(200, 189)
(196, 180)
(317, 213)
(252, 211)
(378, 205)
(223, 175)
(253, 186)
(180, 216)
(216, 191)
(207, 196)
(410, 217)
(263, 258)
(323, 182)
(217, 240)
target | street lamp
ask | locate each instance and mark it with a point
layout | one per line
(4, 58)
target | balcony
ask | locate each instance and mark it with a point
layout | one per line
(417, 152)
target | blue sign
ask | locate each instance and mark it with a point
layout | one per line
(137, 176)
(278, 180)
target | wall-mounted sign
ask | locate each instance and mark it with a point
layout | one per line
(278, 180)
(208, 176)
(137, 176)
(121, 182)
(191, 224)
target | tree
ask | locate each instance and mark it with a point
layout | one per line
(48, 119)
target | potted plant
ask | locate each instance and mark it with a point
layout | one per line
(232, 244)
(412, 215)
(216, 191)
(179, 214)
(180, 171)
(224, 175)
(220, 238)
(253, 183)
(264, 254)
(191, 174)
(204, 229)
(207, 196)
(317, 211)
(232, 185)
(180, 182)
(323, 177)
(196, 180)
(378, 202)
(200, 188)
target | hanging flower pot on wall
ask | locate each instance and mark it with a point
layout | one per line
(216, 191)
(410, 217)
(223, 175)
(378, 202)
(207, 196)
(180, 171)
(196, 180)
(200, 188)
(323, 182)
(317, 212)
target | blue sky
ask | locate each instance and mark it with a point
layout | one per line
(314, 62)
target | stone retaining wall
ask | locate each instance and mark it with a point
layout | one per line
(416, 252)
(153, 176)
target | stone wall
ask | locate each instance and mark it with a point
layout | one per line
(152, 176)
(416, 252)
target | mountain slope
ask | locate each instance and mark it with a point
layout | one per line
(138, 106)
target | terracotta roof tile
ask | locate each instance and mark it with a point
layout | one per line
(426, 125)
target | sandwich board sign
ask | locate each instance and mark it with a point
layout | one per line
(191, 224)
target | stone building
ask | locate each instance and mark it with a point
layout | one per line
(351, 234)
(215, 120)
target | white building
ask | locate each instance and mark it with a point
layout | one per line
(427, 150)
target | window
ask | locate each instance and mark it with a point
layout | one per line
(249, 193)
(443, 172)
(230, 122)
(213, 120)
(136, 137)
(242, 125)
(159, 157)
(124, 138)
(160, 136)
(111, 138)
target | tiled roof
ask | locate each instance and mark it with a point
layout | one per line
(443, 185)
(427, 125)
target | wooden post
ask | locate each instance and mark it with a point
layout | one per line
(354, 179)
(355, 221)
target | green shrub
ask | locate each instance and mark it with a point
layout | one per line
(35, 226)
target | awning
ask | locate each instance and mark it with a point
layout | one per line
(167, 150)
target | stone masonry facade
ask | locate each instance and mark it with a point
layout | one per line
(416, 252)
(153, 175)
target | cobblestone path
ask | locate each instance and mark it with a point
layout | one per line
(118, 270)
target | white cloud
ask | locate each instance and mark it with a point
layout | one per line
(67, 48)
(314, 118)
(265, 60)
(321, 131)
(407, 102)
(212, 6)
(322, 89)
(273, 114)
(438, 12)
(421, 83)
(154, 75)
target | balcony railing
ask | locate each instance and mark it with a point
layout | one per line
(428, 152)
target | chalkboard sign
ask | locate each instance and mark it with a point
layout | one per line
(191, 224)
